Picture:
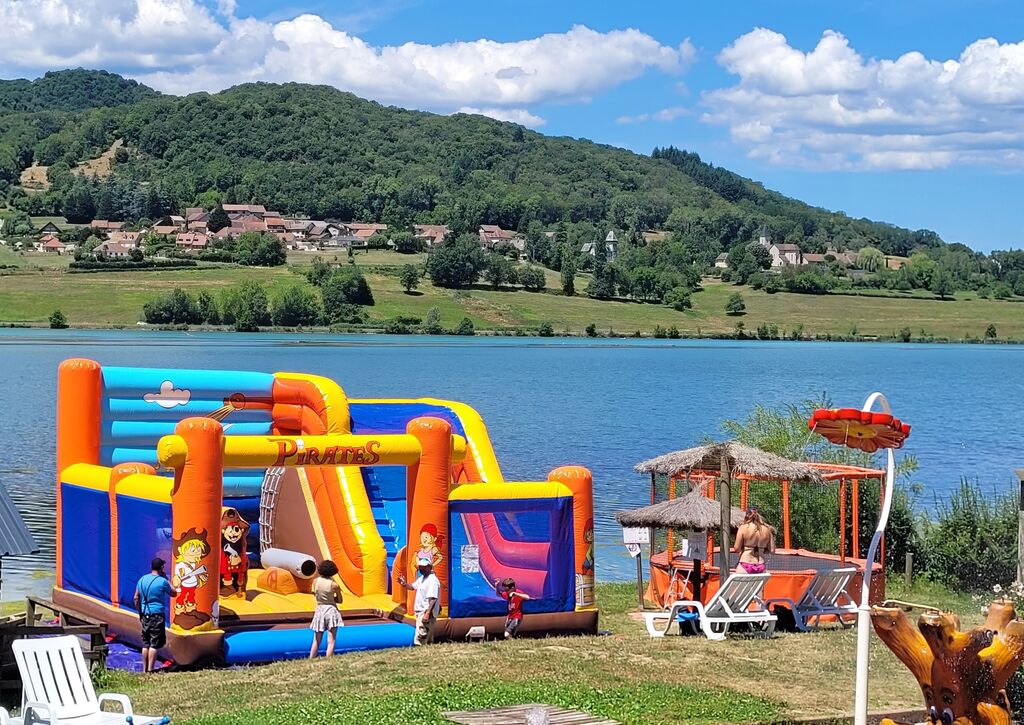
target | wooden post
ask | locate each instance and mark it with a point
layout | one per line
(908, 570)
(650, 531)
(785, 514)
(671, 531)
(854, 496)
(725, 523)
(744, 492)
(1020, 528)
(698, 580)
(842, 520)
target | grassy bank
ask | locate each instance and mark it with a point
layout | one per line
(623, 675)
(41, 283)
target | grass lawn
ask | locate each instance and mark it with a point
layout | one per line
(623, 675)
(41, 284)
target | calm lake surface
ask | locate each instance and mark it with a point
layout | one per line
(604, 404)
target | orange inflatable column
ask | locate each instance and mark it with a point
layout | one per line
(427, 487)
(579, 480)
(79, 395)
(119, 473)
(195, 516)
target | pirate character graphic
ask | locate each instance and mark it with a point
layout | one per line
(189, 574)
(234, 561)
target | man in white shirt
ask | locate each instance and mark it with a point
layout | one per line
(428, 600)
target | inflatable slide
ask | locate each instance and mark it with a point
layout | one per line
(243, 481)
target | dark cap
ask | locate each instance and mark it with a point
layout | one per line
(157, 564)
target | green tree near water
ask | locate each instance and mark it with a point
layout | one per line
(296, 306)
(458, 263)
(58, 321)
(735, 305)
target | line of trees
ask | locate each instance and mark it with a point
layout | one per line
(338, 296)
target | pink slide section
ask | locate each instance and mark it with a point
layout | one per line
(526, 562)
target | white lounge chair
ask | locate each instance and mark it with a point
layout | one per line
(57, 689)
(738, 601)
(825, 595)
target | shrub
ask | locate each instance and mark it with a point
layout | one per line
(432, 324)
(401, 325)
(532, 278)
(673, 333)
(546, 330)
(591, 330)
(990, 332)
(178, 308)
(660, 332)
(465, 327)
(905, 334)
(678, 298)
(735, 305)
(972, 543)
(58, 321)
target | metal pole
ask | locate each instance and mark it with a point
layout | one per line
(1020, 528)
(640, 582)
(864, 610)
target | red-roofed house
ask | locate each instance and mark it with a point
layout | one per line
(166, 229)
(50, 243)
(190, 240)
(114, 251)
(131, 239)
(103, 225)
(431, 234)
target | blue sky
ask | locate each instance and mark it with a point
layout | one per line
(846, 119)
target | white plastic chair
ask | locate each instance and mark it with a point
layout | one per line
(57, 689)
(738, 601)
(823, 597)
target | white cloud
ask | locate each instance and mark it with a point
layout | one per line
(832, 108)
(180, 46)
(169, 396)
(665, 114)
(515, 115)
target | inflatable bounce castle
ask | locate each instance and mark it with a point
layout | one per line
(243, 481)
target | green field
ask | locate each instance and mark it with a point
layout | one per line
(624, 675)
(41, 284)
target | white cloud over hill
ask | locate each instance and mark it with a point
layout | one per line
(181, 46)
(832, 108)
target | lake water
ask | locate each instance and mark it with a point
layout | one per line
(605, 404)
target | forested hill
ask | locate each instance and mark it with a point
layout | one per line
(319, 151)
(70, 90)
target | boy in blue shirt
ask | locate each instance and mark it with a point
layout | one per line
(151, 592)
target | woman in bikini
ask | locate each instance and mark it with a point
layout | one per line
(754, 539)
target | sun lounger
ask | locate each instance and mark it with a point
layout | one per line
(825, 595)
(57, 688)
(738, 601)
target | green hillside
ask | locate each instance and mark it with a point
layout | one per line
(70, 90)
(319, 151)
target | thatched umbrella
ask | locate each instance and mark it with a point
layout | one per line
(729, 458)
(692, 511)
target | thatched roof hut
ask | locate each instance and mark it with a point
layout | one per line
(739, 458)
(729, 459)
(692, 511)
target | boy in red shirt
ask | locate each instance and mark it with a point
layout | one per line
(507, 591)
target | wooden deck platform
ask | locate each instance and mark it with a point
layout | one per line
(534, 714)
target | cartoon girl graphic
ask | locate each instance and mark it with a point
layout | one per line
(588, 560)
(430, 545)
(188, 574)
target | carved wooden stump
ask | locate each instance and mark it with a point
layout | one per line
(962, 674)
